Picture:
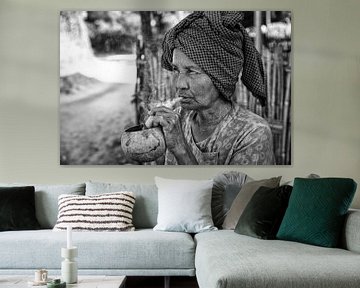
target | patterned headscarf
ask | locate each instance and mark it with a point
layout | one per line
(218, 43)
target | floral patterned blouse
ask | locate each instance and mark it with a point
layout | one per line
(241, 138)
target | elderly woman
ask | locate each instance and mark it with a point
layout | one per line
(207, 51)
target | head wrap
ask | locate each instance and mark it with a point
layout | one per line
(218, 43)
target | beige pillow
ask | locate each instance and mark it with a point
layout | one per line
(243, 198)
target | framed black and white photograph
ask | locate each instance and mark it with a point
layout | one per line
(175, 88)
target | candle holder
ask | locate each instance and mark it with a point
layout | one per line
(68, 265)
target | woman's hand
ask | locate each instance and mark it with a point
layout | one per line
(170, 122)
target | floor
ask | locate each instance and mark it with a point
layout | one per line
(158, 282)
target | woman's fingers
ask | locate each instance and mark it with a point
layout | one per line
(161, 109)
(167, 114)
(160, 118)
(149, 122)
(170, 122)
(154, 121)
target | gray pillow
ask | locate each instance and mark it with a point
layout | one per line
(243, 198)
(184, 205)
(310, 176)
(226, 187)
(46, 200)
(146, 206)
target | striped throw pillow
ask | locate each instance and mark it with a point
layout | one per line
(105, 212)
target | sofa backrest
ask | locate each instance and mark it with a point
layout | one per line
(146, 203)
(46, 199)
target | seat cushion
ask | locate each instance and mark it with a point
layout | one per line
(143, 249)
(226, 259)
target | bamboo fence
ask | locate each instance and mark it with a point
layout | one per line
(277, 64)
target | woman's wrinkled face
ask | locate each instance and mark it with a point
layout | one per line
(195, 88)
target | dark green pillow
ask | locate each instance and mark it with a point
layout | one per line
(264, 212)
(316, 211)
(17, 208)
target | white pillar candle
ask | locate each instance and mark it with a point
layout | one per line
(69, 237)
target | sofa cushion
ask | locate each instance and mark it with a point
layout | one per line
(46, 200)
(146, 205)
(136, 250)
(184, 205)
(243, 198)
(226, 187)
(225, 259)
(316, 211)
(105, 212)
(17, 208)
(263, 215)
(350, 239)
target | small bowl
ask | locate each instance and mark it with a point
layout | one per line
(56, 283)
(143, 144)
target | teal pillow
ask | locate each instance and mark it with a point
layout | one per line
(316, 211)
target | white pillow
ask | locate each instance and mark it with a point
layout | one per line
(184, 205)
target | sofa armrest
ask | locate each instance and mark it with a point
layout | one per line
(351, 232)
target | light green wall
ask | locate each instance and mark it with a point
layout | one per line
(326, 85)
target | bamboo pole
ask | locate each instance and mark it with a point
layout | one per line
(268, 17)
(286, 114)
(282, 86)
(153, 76)
(279, 87)
(244, 97)
(257, 25)
(273, 90)
(268, 80)
(158, 77)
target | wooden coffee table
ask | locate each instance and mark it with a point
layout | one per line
(84, 281)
